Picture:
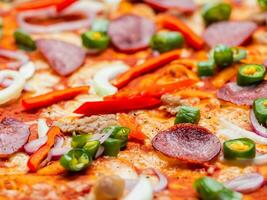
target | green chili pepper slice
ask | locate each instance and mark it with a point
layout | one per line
(95, 40)
(112, 147)
(223, 56)
(214, 12)
(164, 41)
(121, 133)
(206, 68)
(250, 74)
(242, 148)
(91, 147)
(263, 4)
(75, 160)
(78, 141)
(239, 54)
(100, 25)
(210, 189)
(260, 110)
(24, 40)
(187, 114)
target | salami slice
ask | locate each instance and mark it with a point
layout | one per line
(232, 33)
(242, 95)
(131, 33)
(180, 5)
(187, 142)
(13, 135)
(63, 57)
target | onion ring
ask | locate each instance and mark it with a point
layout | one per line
(17, 55)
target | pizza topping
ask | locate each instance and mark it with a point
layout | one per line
(117, 105)
(81, 9)
(187, 114)
(187, 142)
(100, 25)
(210, 189)
(24, 40)
(53, 97)
(75, 160)
(247, 183)
(149, 65)
(137, 36)
(242, 95)
(215, 12)
(259, 128)
(14, 90)
(235, 33)
(95, 40)
(260, 110)
(37, 158)
(20, 58)
(263, 4)
(180, 5)
(242, 148)
(250, 74)
(175, 24)
(63, 57)
(164, 41)
(223, 56)
(206, 68)
(14, 134)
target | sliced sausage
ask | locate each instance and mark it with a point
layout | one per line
(242, 95)
(232, 33)
(187, 142)
(131, 33)
(13, 135)
(63, 57)
(180, 5)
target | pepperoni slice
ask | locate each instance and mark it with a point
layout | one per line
(181, 5)
(242, 95)
(13, 135)
(187, 142)
(234, 33)
(131, 33)
(63, 57)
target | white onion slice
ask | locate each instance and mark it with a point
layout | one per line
(77, 7)
(163, 181)
(27, 70)
(260, 159)
(34, 145)
(247, 183)
(101, 83)
(13, 91)
(228, 134)
(142, 191)
(42, 128)
(99, 152)
(21, 58)
(244, 133)
(258, 128)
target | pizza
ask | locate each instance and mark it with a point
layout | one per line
(133, 100)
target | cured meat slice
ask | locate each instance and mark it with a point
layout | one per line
(13, 135)
(242, 95)
(181, 5)
(232, 33)
(131, 33)
(63, 57)
(187, 142)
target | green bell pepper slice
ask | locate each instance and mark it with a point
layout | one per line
(250, 74)
(187, 114)
(24, 40)
(210, 189)
(164, 41)
(75, 160)
(260, 110)
(206, 68)
(238, 149)
(223, 56)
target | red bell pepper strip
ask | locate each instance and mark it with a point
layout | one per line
(128, 121)
(37, 4)
(117, 105)
(175, 24)
(36, 158)
(53, 97)
(155, 90)
(149, 65)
